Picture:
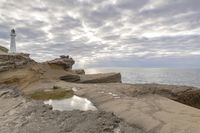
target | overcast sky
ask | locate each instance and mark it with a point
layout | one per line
(102, 33)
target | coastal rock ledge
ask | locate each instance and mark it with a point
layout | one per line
(127, 108)
(17, 67)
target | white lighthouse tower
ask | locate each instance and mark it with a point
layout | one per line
(12, 41)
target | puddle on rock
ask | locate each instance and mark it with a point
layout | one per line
(63, 99)
(73, 103)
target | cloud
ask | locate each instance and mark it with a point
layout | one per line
(105, 32)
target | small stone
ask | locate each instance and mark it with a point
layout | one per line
(55, 87)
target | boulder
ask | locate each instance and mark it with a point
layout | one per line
(70, 78)
(64, 61)
(101, 78)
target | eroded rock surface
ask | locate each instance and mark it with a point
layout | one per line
(152, 112)
(21, 115)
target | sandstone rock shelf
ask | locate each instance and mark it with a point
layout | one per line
(21, 115)
(138, 108)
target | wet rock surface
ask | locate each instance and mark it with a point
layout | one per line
(21, 115)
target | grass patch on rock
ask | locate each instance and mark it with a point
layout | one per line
(3, 49)
(52, 94)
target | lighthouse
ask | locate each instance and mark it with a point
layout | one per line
(12, 41)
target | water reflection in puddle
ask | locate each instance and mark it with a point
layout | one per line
(73, 103)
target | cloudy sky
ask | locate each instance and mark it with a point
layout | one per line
(103, 33)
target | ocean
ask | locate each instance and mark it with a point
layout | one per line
(189, 77)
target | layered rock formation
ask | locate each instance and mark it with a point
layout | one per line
(93, 78)
(101, 78)
(14, 61)
(21, 69)
(18, 69)
(65, 62)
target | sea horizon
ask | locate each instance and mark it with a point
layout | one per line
(143, 75)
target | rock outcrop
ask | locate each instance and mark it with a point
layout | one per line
(65, 62)
(19, 69)
(14, 61)
(189, 97)
(101, 78)
(19, 66)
